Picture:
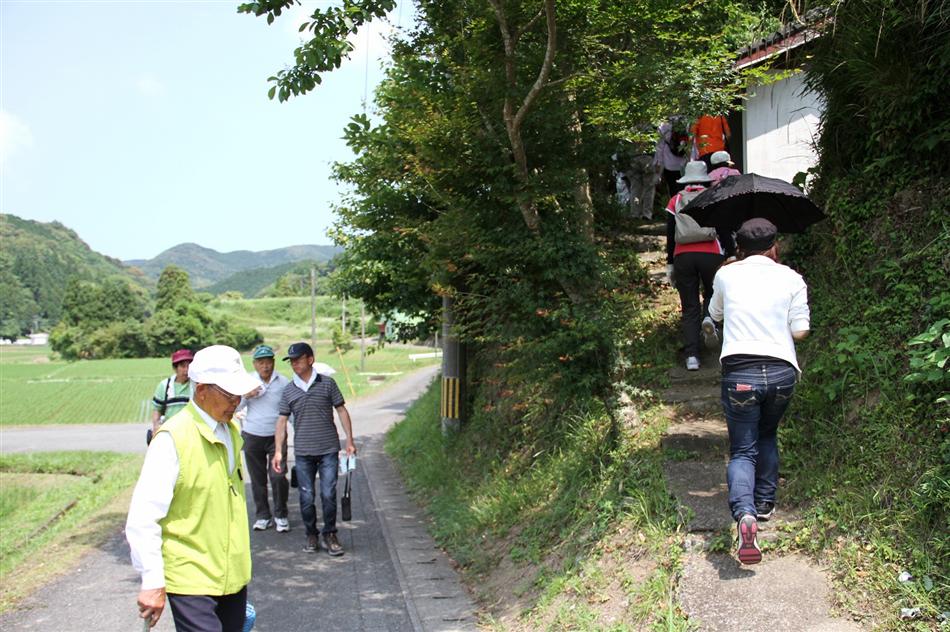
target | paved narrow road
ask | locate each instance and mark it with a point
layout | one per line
(392, 576)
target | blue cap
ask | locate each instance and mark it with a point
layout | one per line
(298, 349)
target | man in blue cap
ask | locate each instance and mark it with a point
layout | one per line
(260, 423)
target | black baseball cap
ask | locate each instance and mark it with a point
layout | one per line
(756, 235)
(298, 349)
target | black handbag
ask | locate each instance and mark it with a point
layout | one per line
(293, 476)
(346, 511)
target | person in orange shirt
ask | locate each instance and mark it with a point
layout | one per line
(710, 134)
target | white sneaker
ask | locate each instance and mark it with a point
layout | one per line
(692, 363)
(710, 334)
(283, 525)
(263, 524)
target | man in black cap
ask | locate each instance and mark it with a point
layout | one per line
(311, 398)
(765, 307)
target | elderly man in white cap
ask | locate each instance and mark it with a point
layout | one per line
(187, 524)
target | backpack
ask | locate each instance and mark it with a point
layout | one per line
(678, 143)
(688, 230)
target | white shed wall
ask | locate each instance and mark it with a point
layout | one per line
(780, 128)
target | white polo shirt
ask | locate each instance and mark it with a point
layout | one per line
(761, 303)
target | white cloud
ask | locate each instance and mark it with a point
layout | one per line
(14, 135)
(150, 86)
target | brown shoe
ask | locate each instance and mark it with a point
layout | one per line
(312, 545)
(332, 545)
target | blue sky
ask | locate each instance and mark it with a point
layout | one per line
(142, 125)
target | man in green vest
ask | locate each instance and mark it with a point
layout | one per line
(187, 525)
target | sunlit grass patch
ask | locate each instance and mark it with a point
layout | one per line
(53, 506)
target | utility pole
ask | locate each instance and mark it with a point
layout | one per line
(362, 336)
(313, 307)
(453, 371)
(343, 317)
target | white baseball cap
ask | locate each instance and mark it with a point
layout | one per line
(221, 365)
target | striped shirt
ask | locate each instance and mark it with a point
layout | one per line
(314, 431)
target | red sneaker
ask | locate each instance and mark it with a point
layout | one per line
(747, 549)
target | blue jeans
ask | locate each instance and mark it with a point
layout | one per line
(754, 400)
(307, 467)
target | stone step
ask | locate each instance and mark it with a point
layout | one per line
(701, 487)
(709, 370)
(707, 437)
(657, 228)
(780, 594)
(651, 257)
(642, 242)
(694, 397)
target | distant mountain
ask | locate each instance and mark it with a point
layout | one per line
(206, 266)
(254, 283)
(36, 261)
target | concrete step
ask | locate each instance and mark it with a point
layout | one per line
(652, 257)
(706, 437)
(780, 594)
(693, 397)
(709, 370)
(655, 227)
(701, 487)
(642, 242)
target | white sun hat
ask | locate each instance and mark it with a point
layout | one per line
(695, 173)
(323, 369)
(721, 157)
(221, 365)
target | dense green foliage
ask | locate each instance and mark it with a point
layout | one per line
(868, 443)
(37, 261)
(108, 320)
(490, 166)
(206, 266)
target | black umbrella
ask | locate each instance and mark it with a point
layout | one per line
(739, 198)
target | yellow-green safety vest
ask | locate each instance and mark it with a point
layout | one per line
(206, 546)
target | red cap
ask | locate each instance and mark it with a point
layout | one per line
(182, 355)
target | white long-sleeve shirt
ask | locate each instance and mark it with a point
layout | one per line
(761, 303)
(153, 496)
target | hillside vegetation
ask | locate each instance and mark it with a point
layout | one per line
(37, 260)
(287, 279)
(206, 266)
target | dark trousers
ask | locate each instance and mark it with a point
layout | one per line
(201, 613)
(692, 271)
(307, 468)
(670, 178)
(258, 451)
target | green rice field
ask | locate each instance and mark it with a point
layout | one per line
(36, 388)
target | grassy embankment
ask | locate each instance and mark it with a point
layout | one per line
(566, 529)
(54, 507)
(37, 389)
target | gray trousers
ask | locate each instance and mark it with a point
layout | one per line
(259, 451)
